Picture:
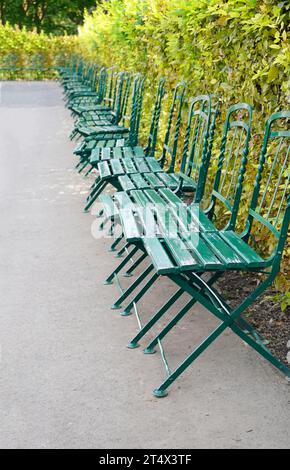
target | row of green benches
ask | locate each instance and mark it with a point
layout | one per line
(178, 210)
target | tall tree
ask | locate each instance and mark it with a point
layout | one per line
(50, 16)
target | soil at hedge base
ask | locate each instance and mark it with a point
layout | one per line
(265, 314)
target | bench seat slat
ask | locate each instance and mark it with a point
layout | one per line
(116, 167)
(224, 252)
(95, 155)
(159, 257)
(153, 180)
(126, 183)
(129, 166)
(138, 181)
(104, 169)
(241, 248)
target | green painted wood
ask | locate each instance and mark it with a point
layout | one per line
(104, 170)
(158, 255)
(223, 251)
(248, 255)
(126, 183)
(153, 180)
(129, 224)
(116, 167)
(137, 181)
(109, 206)
(129, 165)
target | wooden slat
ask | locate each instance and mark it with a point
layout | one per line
(129, 224)
(167, 179)
(138, 181)
(116, 167)
(126, 183)
(117, 152)
(123, 199)
(100, 143)
(242, 248)
(169, 196)
(141, 164)
(95, 156)
(109, 206)
(106, 153)
(104, 169)
(111, 143)
(128, 153)
(139, 197)
(139, 152)
(158, 256)
(153, 180)
(202, 251)
(200, 218)
(129, 166)
(90, 145)
(153, 165)
(223, 251)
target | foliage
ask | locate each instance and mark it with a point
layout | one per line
(238, 49)
(20, 48)
(50, 16)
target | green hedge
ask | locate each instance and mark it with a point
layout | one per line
(28, 55)
(237, 48)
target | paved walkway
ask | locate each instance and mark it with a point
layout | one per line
(66, 376)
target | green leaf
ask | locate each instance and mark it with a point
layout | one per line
(273, 73)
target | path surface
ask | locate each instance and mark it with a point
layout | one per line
(66, 376)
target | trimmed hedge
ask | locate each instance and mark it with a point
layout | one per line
(28, 55)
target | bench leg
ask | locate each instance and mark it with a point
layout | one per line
(89, 171)
(161, 391)
(129, 272)
(83, 166)
(128, 308)
(121, 266)
(122, 250)
(133, 286)
(95, 196)
(150, 348)
(94, 187)
(116, 243)
(261, 349)
(134, 342)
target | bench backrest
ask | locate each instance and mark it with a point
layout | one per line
(154, 124)
(232, 161)
(101, 80)
(170, 143)
(270, 204)
(198, 140)
(136, 109)
(111, 85)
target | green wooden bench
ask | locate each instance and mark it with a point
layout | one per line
(107, 83)
(109, 111)
(131, 207)
(115, 89)
(91, 100)
(111, 135)
(194, 258)
(126, 163)
(129, 148)
(83, 84)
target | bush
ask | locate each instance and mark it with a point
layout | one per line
(21, 50)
